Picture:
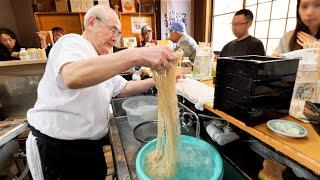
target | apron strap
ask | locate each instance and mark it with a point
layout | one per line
(33, 157)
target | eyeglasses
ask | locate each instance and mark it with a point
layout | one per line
(239, 23)
(113, 30)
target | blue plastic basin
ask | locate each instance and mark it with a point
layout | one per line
(210, 155)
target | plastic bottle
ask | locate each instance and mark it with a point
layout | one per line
(24, 55)
(202, 64)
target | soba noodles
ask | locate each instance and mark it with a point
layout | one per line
(161, 161)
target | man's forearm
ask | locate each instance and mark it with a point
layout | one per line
(137, 87)
(81, 74)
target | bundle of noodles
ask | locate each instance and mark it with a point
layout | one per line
(161, 161)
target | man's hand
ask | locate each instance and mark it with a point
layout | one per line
(156, 57)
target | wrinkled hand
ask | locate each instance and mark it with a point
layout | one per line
(303, 38)
(157, 57)
(15, 54)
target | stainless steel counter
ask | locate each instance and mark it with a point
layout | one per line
(125, 148)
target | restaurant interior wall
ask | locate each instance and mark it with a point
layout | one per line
(25, 22)
(199, 20)
(17, 15)
(7, 18)
(272, 18)
(72, 22)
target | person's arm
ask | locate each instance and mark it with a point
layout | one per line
(223, 52)
(137, 87)
(85, 73)
(43, 36)
(256, 48)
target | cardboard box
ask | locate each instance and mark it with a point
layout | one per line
(62, 5)
(81, 5)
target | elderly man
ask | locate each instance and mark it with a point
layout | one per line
(70, 116)
(146, 34)
(184, 41)
(244, 44)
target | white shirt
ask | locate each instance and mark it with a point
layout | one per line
(65, 113)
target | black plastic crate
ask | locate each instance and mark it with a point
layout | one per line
(254, 115)
(255, 88)
(278, 98)
(257, 67)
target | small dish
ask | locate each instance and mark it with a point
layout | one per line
(287, 128)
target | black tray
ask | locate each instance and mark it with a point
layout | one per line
(253, 115)
(272, 99)
(256, 87)
(257, 67)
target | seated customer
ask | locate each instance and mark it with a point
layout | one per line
(9, 46)
(55, 34)
(146, 34)
(185, 42)
(245, 44)
(307, 29)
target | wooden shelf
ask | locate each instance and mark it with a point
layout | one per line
(69, 22)
(126, 24)
(73, 22)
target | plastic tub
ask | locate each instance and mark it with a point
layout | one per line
(140, 109)
(211, 156)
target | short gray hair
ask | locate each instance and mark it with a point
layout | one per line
(99, 11)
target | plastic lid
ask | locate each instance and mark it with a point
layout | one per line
(202, 53)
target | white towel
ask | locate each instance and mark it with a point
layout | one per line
(33, 158)
(195, 91)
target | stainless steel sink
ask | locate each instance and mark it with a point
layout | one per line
(116, 104)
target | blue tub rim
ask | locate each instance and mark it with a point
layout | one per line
(218, 173)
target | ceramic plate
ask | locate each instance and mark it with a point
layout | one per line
(287, 128)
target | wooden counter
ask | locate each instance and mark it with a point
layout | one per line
(18, 67)
(13, 130)
(19, 62)
(305, 151)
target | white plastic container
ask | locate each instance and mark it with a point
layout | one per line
(140, 109)
(24, 55)
(202, 68)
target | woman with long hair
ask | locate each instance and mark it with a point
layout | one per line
(307, 28)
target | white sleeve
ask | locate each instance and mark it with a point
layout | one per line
(118, 83)
(70, 51)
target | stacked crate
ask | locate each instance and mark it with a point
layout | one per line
(255, 88)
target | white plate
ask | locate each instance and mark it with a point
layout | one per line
(287, 128)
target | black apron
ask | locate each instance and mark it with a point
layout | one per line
(71, 159)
